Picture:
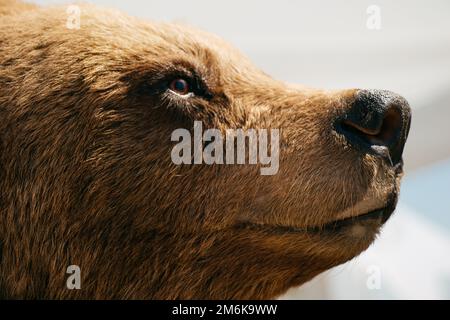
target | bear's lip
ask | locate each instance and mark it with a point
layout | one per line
(381, 215)
(374, 217)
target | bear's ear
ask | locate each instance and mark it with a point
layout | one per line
(14, 6)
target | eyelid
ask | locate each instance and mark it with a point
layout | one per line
(155, 81)
(198, 85)
(183, 96)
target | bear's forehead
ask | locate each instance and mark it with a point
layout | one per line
(152, 40)
(110, 44)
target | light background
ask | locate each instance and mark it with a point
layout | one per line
(327, 44)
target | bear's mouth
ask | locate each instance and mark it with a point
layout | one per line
(379, 216)
(374, 219)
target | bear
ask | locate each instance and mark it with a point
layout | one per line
(88, 185)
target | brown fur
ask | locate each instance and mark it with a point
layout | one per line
(86, 176)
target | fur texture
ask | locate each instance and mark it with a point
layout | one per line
(86, 176)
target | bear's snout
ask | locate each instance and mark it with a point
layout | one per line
(377, 123)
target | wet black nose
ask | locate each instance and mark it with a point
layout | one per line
(377, 123)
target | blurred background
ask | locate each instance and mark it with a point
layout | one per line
(403, 46)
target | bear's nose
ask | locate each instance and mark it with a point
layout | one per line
(378, 123)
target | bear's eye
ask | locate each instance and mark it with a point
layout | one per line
(180, 86)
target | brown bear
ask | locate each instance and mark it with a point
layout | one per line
(87, 179)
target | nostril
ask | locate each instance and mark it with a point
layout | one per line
(390, 129)
(385, 134)
(359, 129)
(377, 123)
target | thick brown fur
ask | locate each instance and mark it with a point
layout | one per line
(86, 176)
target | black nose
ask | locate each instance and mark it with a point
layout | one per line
(377, 123)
